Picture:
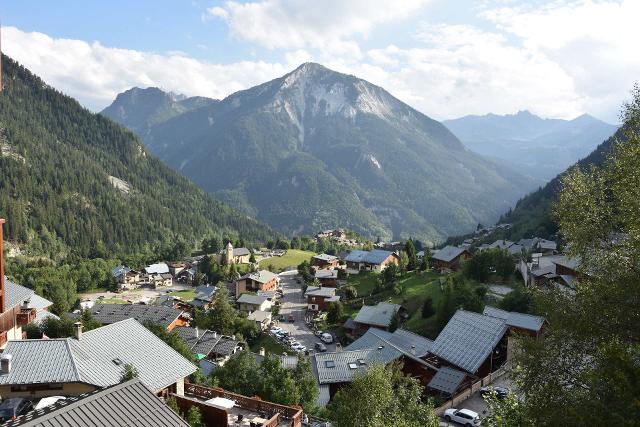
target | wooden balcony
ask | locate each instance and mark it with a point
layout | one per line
(25, 316)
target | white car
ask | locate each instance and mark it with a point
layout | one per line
(326, 338)
(465, 417)
(276, 329)
(298, 347)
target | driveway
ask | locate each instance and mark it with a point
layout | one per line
(476, 403)
(293, 302)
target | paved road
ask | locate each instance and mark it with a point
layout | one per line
(477, 404)
(293, 302)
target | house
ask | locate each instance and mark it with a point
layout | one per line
(319, 298)
(404, 340)
(126, 278)
(204, 297)
(123, 404)
(380, 316)
(262, 318)
(112, 313)
(520, 323)
(501, 244)
(375, 260)
(186, 275)
(449, 258)
(160, 280)
(208, 344)
(471, 342)
(324, 261)
(262, 280)
(177, 268)
(91, 360)
(250, 302)
(550, 271)
(231, 255)
(327, 277)
(159, 268)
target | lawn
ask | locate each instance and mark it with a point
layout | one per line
(292, 258)
(270, 345)
(186, 294)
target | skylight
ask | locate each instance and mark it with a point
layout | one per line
(329, 364)
(353, 366)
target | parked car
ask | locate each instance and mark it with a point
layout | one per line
(276, 329)
(501, 392)
(14, 407)
(326, 338)
(298, 347)
(465, 417)
(320, 347)
(318, 333)
(48, 401)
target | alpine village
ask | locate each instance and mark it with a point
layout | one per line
(311, 251)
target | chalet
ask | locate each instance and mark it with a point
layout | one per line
(177, 268)
(319, 298)
(449, 258)
(186, 275)
(208, 344)
(375, 260)
(122, 404)
(324, 261)
(262, 318)
(126, 278)
(379, 316)
(91, 360)
(249, 303)
(160, 280)
(204, 297)
(159, 268)
(520, 323)
(472, 343)
(167, 317)
(550, 271)
(262, 280)
(327, 277)
(501, 244)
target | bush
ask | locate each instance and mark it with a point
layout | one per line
(427, 308)
(350, 292)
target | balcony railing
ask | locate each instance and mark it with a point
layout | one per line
(25, 316)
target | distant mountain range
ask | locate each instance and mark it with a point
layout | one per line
(74, 181)
(540, 148)
(316, 149)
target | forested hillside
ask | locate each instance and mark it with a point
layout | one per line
(74, 181)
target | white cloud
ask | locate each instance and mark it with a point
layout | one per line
(95, 74)
(327, 25)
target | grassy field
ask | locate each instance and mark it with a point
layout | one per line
(416, 289)
(292, 258)
(186, 295)
(270, 345)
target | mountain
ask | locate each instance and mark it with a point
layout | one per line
(139, 109)
(72, 177)
(532, 215)
(316, 149)
(540, 148)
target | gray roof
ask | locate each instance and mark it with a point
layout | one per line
(468, 339)
(97, 358)
(287, 361)
(333, 367)
(126, 404)
(377, 315)
(502, 244)
(241, 252)
(376, 256)
(259, 316)
(226, 346)
(205, 293)
(326, 257)
(400, 338)
(158, 268)
(547, 244)
(515, 249)
(112, 313)
(42, 315)
(567, 262)
(326, 274)
(528, 243)
(120, 270)
(356, 256)
(447, 380)
(262, 276)
(515, 319)
(320, 291)
(448, 253)
(201, 342)
(17, 294)
(251, 299)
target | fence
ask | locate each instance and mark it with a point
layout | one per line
(466, 393)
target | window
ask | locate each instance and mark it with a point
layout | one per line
(362, 361)
(329, 364)
(353, 366)
(117, 361)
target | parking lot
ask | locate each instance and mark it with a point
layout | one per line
(293, 303)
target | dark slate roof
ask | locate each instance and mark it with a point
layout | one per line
(251, 299)
(400, 338)
(126, 404)
(241, 252)
(448, 253)
(120, 270)
(468, 339)
(205, 293)
(226, 346)
(502, 244)
(517, 320)
(17, 294)
(97, 358)
(447, 380)
(112, 313)
(377, 315)
(200, 342)
(341, 367)
(377, 256)
(356, 256)
(320, 292)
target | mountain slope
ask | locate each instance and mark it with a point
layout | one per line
(316, 149)
(69, 175)
(139, 109)
(532, 214)
(541, 148)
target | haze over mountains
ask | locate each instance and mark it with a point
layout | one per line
(316, 149)
(540, 148)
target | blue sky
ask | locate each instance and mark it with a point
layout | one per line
(445, 58)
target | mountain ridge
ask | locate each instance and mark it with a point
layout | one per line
(315, 149)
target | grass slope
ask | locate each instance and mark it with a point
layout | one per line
(292, 258)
